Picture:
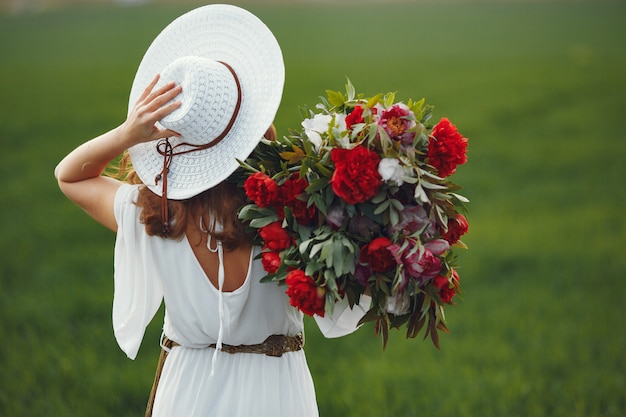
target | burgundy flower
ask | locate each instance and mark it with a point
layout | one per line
(289, 196)
(421, 265)
(457, 227)
(446, 292)
(377, 256)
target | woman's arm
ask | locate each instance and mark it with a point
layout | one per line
(80, 173)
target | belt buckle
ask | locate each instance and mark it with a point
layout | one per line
(275, 345)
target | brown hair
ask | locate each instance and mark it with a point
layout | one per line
(222, 202)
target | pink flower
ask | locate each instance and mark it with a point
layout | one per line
(397, 120)
(414, 218)
(422, 265)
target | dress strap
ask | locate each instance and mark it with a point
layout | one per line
(220, 302)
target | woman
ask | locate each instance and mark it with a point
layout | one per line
(235, 345)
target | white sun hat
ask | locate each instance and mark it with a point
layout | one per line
(231, 70)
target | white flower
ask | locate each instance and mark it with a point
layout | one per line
(314, 127)
(391, 171)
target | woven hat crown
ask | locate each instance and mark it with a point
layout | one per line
(208, 98)
(232, 73)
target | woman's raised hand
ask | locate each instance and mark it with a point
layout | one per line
(152, 106)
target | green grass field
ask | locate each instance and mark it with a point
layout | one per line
(538, 88)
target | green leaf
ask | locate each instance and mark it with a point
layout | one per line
(263, 221)
(304, 245)
(432, 186)
(335, 98)
(247, 166)
(394, 217)
(373, 101)
(317, 185)
(350, 89)
(323, 170)
(338, 258)
(389, 99)
(460, 198)
(327, 254)
(316, 248)
(349, 264)
(371, 315)
(382, 207)
(397, 204)
(312, 268)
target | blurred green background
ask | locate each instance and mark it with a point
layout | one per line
(538, 88)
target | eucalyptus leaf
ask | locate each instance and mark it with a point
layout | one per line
(304, 246)
(327, 253)
(432, 186)
(350, 90)
(460, 198)
(382, 207)
(338, 257)
(316, 248)
(394, 217)
(312, 268)
(264, 221)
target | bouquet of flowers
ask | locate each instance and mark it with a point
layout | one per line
(360, 201)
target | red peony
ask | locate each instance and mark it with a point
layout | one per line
(356, 178)
(270, 261)
(457, 227)
(275, 237)
(446, 148)
(261, 189)
(288, 194)
(376, 254)
(303, 213)
(446, 293)
(355, 117)
(304, 294)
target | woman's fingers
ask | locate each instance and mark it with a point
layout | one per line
(153, 105)
(148, 89)
(163, 111)
(163, 133)
(162, 94)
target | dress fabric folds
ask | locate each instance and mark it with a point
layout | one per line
(198, 380)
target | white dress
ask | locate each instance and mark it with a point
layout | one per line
(197, 380)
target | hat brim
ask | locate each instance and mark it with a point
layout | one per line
(222, 33)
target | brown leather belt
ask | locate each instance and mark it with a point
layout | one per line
(275, 345)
